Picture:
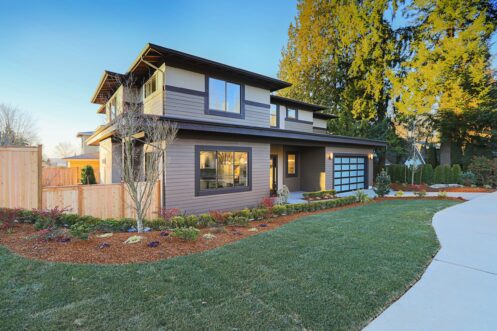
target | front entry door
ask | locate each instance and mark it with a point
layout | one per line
(273, 174)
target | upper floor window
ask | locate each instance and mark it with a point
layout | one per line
(150, 86)
(224, 96)
(273, 116)
(112, 109)
(291, 114)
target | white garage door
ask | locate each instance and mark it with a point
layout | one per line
(350, 173)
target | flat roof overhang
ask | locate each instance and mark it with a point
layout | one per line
(249, 131)
(202, 126)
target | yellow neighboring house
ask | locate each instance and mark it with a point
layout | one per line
(90, 156)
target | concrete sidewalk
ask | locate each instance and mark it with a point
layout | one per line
(458, 291)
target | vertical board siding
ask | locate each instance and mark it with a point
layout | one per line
(312, 162)
(187, 106)
(103, 201)
(180, 178)
(20, 177)
(154, 104)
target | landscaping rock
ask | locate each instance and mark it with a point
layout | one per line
(209, 236)
(104, 235)
(103, 245)
(263, 225)
(132, 229)
(133, 240)
(165, 233)
(253, 230)
(147, 229)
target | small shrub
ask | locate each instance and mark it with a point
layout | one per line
(217, 216)
(485, 170)
(113, 225)
(168, 213)
(244, 213)
(283, 194)
(178, 221)
(237, 220)
(399, 193)
(81, 230)
(442, 194)
(290, 209)
(260, 213)
(421, 193)
(88, 175)
(267, 202)
(192, 220)
(468, 178)
(456, 174)
(189, 233)
(205, 220)
(157, 223)
(382, 187)
(279, 210)
(8, 216)
(361, 196)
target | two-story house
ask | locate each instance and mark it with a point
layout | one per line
(237, 142)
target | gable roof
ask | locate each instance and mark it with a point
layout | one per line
(155, 55)
(87, 156)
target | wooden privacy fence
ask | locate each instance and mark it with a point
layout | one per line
(62, 176)
(104, 201)
(20, 177)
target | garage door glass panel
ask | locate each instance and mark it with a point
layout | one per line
(349, 173)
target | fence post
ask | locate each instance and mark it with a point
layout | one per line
(80, 200)
(123, 198)
(40, 177)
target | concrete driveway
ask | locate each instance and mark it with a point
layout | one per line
(458, 291)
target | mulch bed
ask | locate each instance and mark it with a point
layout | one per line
(421, 187)
(20, 241)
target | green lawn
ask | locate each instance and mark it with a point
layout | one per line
(329, 271)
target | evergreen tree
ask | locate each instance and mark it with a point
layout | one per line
(87, 175)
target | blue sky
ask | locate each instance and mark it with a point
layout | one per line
(52, 54)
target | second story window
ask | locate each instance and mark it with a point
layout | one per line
(224, 96)
(112, 109)
(150, 86)
(273, 116)
(291, 114)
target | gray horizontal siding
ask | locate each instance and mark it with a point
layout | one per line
(298, 126)
(180, 178)
(188, 106)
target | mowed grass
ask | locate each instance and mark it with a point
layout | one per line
(323, 272)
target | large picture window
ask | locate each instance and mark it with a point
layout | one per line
(224, 96)
(222, 169)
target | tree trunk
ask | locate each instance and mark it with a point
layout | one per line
(445, 153)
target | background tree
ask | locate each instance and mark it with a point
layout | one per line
(144, 140)
(16, 127)
(448, 70)
(65, 149)
(339, 54)
(88, 175)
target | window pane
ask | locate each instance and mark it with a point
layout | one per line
(217, 94)
(233, 98)
(241, 169)
(273, 112)
(291, 113)
(207, 170)
(291, 164)
(224, 169)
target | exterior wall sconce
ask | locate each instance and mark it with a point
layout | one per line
(370, 156)
(330, 156)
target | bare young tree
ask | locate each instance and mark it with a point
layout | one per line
(144, 140)
(65, 149)
(16, 128)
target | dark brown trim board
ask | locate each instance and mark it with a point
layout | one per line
(185, 91)
(257, 104)
(199, 148)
